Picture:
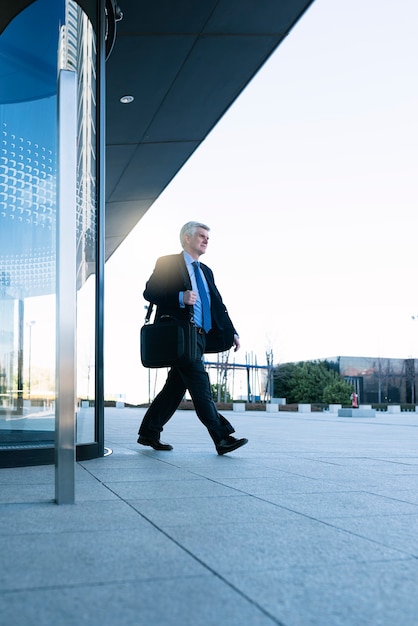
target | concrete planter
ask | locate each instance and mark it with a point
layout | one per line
(334, 408)
(272, 408)
(394, 408)
(360, 412)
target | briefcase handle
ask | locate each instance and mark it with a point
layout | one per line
(151, 306)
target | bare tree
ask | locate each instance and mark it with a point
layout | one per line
(410, 377)
(381, 374)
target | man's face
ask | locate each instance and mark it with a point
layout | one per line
(197, 243)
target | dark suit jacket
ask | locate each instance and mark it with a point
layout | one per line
(170, 276)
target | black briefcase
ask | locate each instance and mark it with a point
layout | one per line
(168, 343)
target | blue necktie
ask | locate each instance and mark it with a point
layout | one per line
(206, 320)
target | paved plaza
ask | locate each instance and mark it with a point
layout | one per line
(313, 523)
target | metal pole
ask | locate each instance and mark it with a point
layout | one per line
(100, 263)
(65, 455)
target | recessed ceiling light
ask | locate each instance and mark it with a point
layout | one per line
(127, 99)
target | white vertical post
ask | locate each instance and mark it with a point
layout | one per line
(65, 446)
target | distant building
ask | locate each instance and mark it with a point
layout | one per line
(378, 380)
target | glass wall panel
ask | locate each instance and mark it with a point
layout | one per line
(28, 71)
(83, 43)
(47, 35)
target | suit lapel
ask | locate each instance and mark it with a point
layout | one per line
(183, 272)
(214, 297)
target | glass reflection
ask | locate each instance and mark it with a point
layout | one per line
(86, 226)
(27, 229)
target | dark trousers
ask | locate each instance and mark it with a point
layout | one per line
(194, 378)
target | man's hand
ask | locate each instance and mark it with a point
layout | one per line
(189, 297)
(237, 344)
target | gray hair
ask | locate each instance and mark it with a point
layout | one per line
(189, 229)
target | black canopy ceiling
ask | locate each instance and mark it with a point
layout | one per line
(185, 62)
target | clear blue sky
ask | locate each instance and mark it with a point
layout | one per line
(309, 185)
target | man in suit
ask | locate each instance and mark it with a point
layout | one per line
(178, 286)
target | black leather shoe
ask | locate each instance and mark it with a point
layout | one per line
(229, 444)
(154, 443)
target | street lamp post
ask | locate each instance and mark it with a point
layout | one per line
(414, 317)
(30, 324)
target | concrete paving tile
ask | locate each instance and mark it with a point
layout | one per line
(394, 469)
(27, 476)
(82, 475)
(373, 462)
(397, 531)
(357, 594)
(203, 511)
(198, 461)
(341, 503)
(120, 457)
(204, 449)
(170, 489)
(185, 601)
(28, 492)
(86, 489)
(232, 470)
(319, 470)
(408, 460)
(287, 544)
(78, 558)
(133, 474)
(41, 518)
(405, 495)
(283, 484)
(36, 484)
(390, 484)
